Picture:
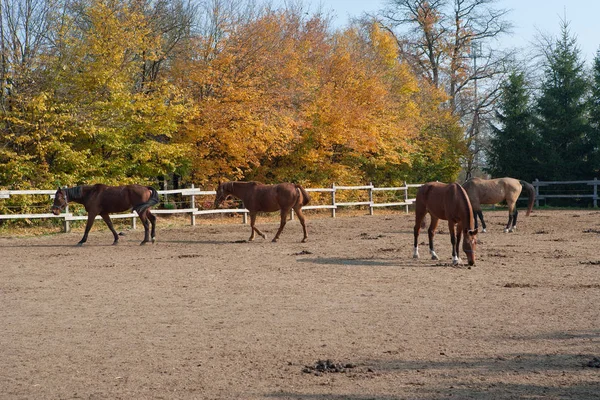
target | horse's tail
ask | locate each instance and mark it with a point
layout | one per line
(305, 196)
(531, 193)
(152, 201)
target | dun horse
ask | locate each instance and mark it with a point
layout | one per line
(258, 197)
(101, 200)
(451, 203)
(492, 191)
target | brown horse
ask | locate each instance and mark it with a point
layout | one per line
(451, 203)
(101, 200)
(258, 197)
(492, 191)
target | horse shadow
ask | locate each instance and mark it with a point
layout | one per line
(373, 262)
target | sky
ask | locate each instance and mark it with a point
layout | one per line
(531, 19)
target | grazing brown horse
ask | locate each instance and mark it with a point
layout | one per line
(492, 191)
(258, 197)
(451, 203)
(101, 200)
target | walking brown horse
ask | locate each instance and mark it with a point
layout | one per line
(258, 197)
(451, 203)
(102, 200)
(492, 191)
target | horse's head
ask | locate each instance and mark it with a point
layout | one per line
(470, 245)
(222, 194)
(60, 201)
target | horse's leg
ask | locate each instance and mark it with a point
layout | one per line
(483, 226)
(420, 214)
(459, 230)
(88, 226)
(109, 223)
(514, 221)
(452, 229)
(144, 218)
(301, 218)
(511, 210)
(284, 214)
(431, 233)
(152, 219)
(254, 228)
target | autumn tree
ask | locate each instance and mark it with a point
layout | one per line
(448, 43)
(89, 121)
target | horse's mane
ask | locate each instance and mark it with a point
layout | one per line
(75, 193)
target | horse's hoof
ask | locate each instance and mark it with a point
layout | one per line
(274, 240)
(116, 242)
(303, 240)
(153, 240)
(435, 258)
(415, 256)
(143, 243)
(79, 244)
(483, 230)
(505, 230)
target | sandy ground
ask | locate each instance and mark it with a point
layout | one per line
(203, 315)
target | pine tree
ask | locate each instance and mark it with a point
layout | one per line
(594, 108)
(512, 144)
(562, 122)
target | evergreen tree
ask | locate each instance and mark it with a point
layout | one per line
(562, 122)
(513, 142)
(594, 107)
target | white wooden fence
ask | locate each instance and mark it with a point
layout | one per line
(194, 211)
(579, 193)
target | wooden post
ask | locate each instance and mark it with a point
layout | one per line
(244, 218)
(67, 224)
(537, 192)
(193, 205)
(371, 208)
(595, 192)
(333, 200)
(406, 196)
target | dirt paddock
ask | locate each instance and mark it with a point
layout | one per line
(203, 315)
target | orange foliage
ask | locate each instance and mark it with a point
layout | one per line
(284, 99)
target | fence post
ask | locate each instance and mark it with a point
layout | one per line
(244, 218)
(536, 183)
(333, 200)
(193, 205)
(595, 192)
(406, 197)
(67, 224)
(371, 208)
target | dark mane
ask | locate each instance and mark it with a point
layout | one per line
(74, 193)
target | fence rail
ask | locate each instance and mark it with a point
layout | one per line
(579, 194)
(193, 211)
